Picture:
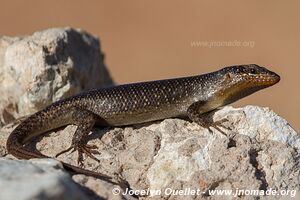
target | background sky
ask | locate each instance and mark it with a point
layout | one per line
(148, 40)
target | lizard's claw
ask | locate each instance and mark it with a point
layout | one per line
(65, 151)
(217, 125)
(82, 149)
(88, 150)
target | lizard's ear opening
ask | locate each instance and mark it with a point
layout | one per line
(229, 76)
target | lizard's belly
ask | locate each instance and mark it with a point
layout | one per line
(136, 117)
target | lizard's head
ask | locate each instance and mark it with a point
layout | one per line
(243, 80)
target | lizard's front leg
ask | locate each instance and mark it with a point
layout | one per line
(198, 112)
(85, 121)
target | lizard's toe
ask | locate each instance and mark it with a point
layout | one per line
(89, 150)
(216, 125)
(66, 150)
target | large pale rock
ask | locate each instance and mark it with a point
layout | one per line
(260, 152)
(45, 67)
(37, 179)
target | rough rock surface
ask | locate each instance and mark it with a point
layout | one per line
(45, 67)
(36, 179)
(260, 151)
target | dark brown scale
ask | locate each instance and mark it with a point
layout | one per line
(192, 97)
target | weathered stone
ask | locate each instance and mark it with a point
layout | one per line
(45, 67)
(36, 179)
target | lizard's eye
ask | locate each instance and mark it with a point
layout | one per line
(252, 71)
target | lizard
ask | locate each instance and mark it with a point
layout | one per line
(192, 97)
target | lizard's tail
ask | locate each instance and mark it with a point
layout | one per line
(38, 124)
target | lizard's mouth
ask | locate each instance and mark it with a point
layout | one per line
(264, 79)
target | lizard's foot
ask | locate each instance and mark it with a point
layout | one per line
(89, 150)
(196, 112)
(217, 125)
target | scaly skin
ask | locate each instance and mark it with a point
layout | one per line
(191, 97)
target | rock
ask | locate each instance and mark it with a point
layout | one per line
(259, 152)
(36, 179)
(45, 179)
(50, 65)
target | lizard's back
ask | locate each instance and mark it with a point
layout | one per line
(141, 102)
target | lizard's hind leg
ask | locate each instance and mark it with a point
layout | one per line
(85, 121)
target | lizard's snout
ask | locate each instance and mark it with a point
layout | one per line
(274, 78)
